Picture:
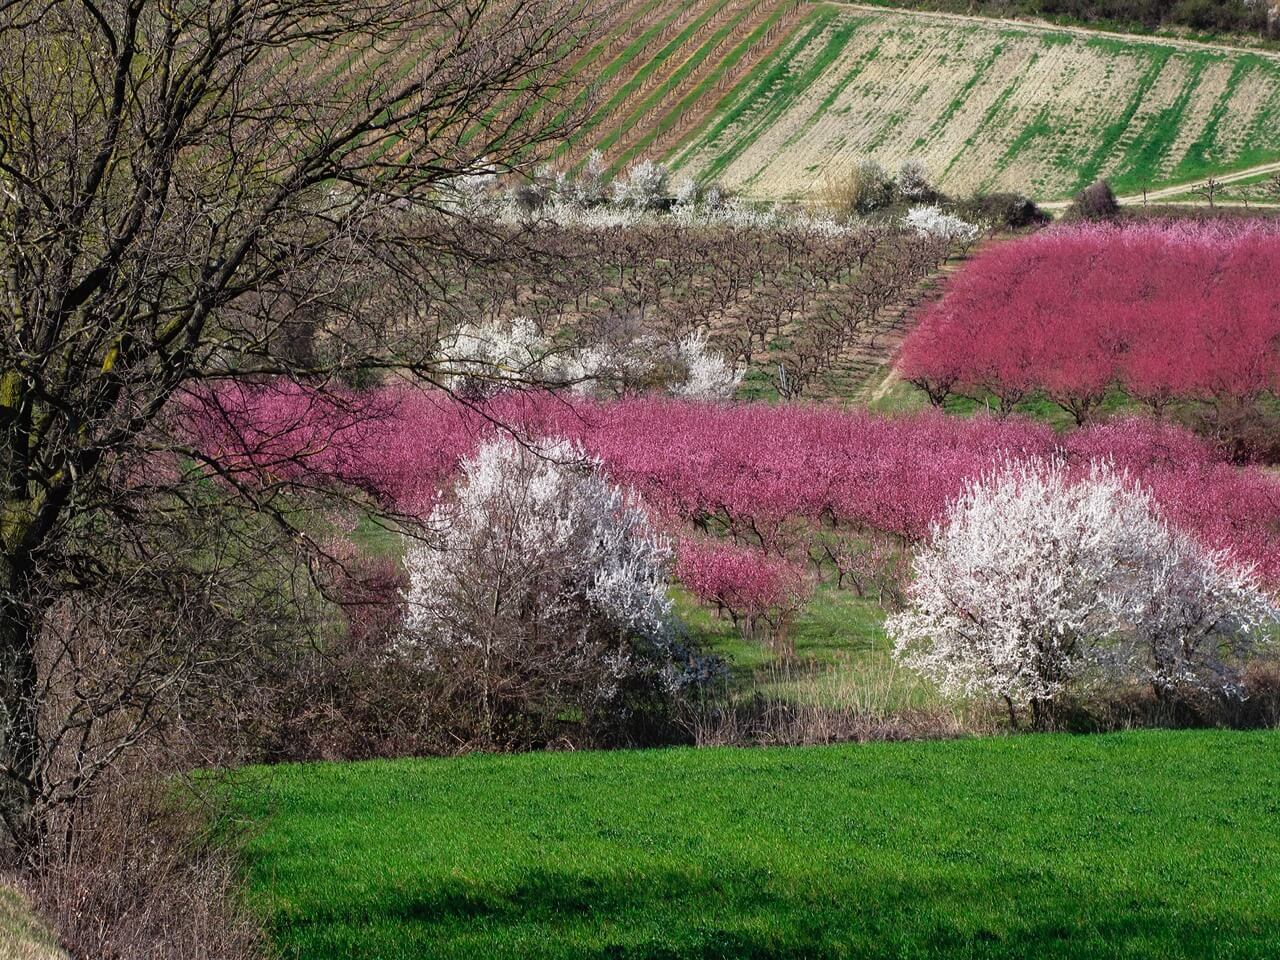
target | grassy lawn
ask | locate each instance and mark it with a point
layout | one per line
(843, 658)
(1153, 844)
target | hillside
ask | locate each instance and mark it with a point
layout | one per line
(769, 96)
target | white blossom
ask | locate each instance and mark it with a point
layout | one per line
(592, 185)
(544, 538)
(709, 376)
(1040, 581)
(480, 356)
(644, 186)
(913, 180)
(612, 362)
(686, 192)
(932, 222)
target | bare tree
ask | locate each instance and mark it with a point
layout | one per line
(198, 191)
(1209, 190)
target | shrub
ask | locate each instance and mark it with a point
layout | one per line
(1040, 581)
(707, 375)
(864, 189)
(1095, 202)
(140, 875)
(913, 181)
(591, 187)
(645, 187)
(687, 192)
(540, 594)
(932, 222)
(762, 594)
(1011, 210)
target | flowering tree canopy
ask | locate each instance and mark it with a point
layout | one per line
(541, 583)
(932, 222)
(1164, 311)
(481, 357)
(1041, 579)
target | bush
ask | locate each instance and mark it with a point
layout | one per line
(142, 875)
(864, 189)
(645, 187)
(1095, 202)
(1011, 210)
(913, 182)
(932, 222)
(481, 358)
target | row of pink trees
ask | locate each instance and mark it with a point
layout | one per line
(762, 500)
(1166, 312)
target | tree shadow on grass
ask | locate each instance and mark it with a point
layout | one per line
(686, 914)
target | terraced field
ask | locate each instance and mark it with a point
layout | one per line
(988, 105)
(768, 96)
(661, 68)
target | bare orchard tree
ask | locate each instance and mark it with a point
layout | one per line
(1209, 191)
(195, 191)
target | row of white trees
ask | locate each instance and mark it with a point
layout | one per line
(543, 580)
(481, 358)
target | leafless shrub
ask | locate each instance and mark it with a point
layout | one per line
(141, 876)
(1095, 202)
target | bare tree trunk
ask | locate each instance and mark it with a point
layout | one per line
(20, 720)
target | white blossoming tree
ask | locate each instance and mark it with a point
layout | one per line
(542, 589)
(592, 185)
(932, 222)
(686, 193)
(708, 375)
(1041, 581)
(644, 187)
(480, 357)
(913, 180)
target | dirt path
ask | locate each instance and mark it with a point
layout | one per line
(1164, 193)
(1041, 26)
(1190, 186)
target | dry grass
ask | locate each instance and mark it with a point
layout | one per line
(143, 878)
(22, 936)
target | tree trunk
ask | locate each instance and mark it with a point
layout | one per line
(20, 775)
(1040, 714)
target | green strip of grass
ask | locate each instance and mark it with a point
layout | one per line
(1137, 845)
(779, 86)
(1109, 136)
(756, 85)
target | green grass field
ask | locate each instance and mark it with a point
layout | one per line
(1139, 845)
